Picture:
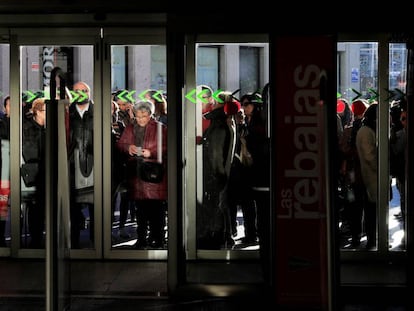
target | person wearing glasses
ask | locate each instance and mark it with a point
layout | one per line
(80, 153)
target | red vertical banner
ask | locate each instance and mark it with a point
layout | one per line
(302, 252)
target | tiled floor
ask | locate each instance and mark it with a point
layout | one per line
(141, 286)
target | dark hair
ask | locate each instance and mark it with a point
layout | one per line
(370, 116)
(253, 98)
(117, 93)
(5, 101)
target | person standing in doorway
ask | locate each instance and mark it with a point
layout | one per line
(366, 143)
(81, 162)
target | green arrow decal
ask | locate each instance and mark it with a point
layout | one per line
(259, 98)
(189, 96)
(372, 91)
(356, 92)
(401, 94)
(75, 96)
(200, 96)
(46, 94)
(120, 96)
(155, 96)
(31, 98)
(142, 94)
(129, 96)
(338, 95)
(390, 93)
(215, 96)
(84, 96)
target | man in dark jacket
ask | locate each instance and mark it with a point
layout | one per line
(212, 215)
(81, 161)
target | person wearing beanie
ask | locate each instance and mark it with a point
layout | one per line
(358, 107)
(232, 107)
(340, 106)
(343, 110)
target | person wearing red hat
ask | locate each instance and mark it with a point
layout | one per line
(340, 106)
(232, 107)
(358, 107)
(344, 111)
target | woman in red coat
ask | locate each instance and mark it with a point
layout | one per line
(146, 140)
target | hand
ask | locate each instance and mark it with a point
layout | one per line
(134, 150)
(146, 153)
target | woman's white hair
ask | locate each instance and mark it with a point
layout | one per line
(144, 106)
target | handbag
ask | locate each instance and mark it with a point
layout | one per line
(153, 171)
(29, 173)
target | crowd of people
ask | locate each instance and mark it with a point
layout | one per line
(358, 167)
(235, 151)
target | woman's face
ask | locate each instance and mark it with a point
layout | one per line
(248, 108)
(142, 117)
(40, 115)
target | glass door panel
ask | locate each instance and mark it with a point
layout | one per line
(224, 108)
(139, 213)
(5, 212)
(398, 116)
(37, 63)
(358, 88)
(135, 132)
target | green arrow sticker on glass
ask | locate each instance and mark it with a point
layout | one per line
(215, 96)
(189, 96)
(122, 94)
(30, 96)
